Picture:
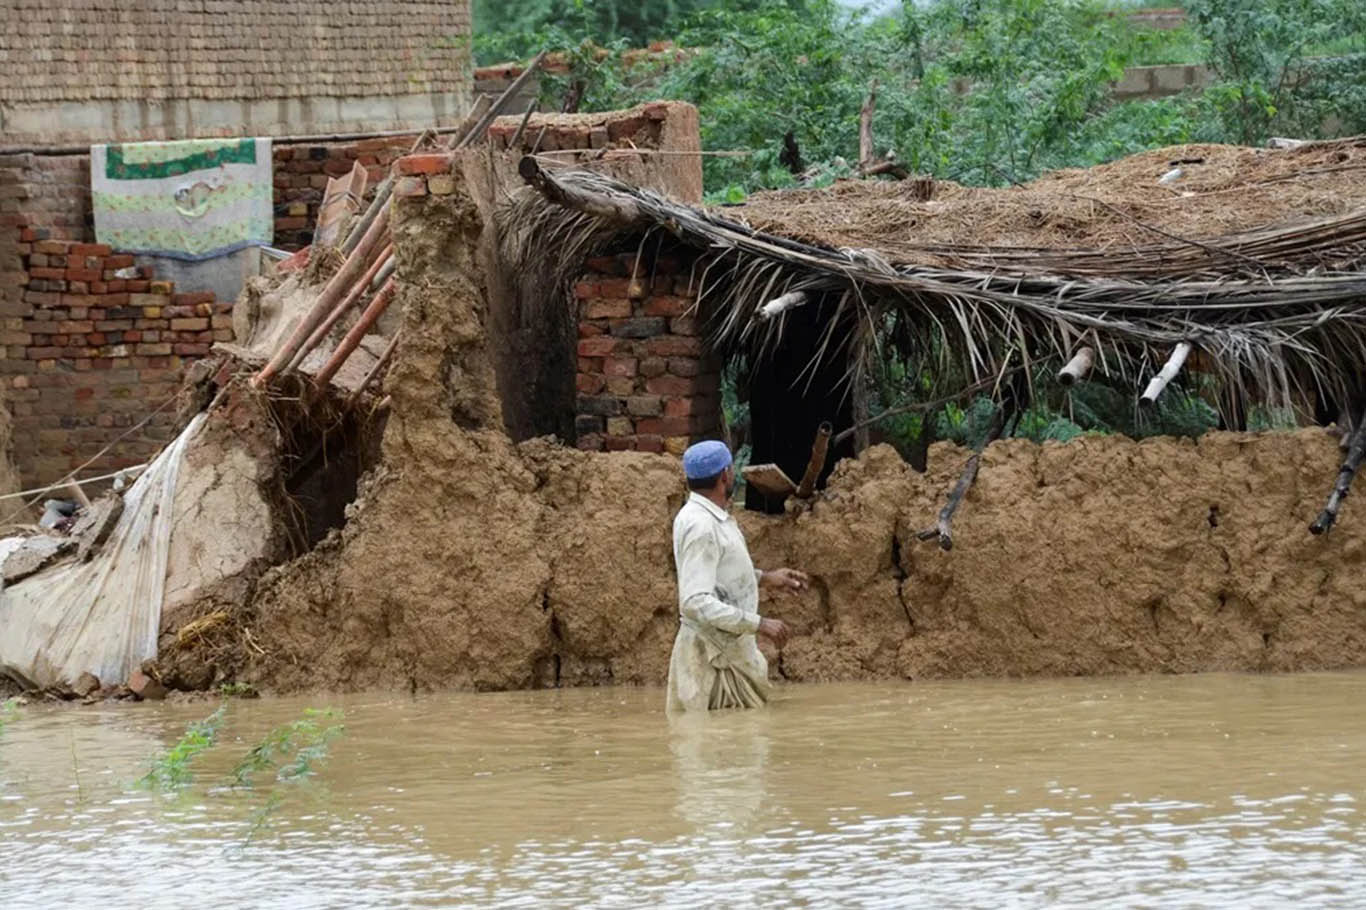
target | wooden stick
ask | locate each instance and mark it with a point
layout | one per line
(1077, 367)
(342, 281)
(78, 494)
(362, 227)
(943, 528)
(497, 107)
(1350, 465)
(382, 194)
(865, 128)
(375, 370)
(1168, 373)
(481, 107)
(384, 272)
(887, 166)
(516, 142)
(348, 344)
(819, 450)
(359, 288)
(778, 304)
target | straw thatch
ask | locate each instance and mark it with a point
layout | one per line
(1274, 300)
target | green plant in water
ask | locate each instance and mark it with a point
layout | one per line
(238, 690)
(171, 770)
(290, 750)
(8, 709)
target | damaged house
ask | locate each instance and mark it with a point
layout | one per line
(440, 451)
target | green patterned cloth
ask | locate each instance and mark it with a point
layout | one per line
(191, 199)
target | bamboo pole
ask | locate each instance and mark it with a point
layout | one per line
(360, 287)
(1168, 373)
(340, 282)
(1350, 465)
(1077, 368)
(348, 344)
(819, 450)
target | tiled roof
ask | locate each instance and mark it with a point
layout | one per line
(158, 50)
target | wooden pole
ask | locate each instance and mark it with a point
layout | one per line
(613, 208)
(1077, 367)
(943, 528)
(1350, 465)
(377, 368)
(353, 338)
(359, 288)
(1168, 373)
(819, 450)
(342, 281)
(497, 107)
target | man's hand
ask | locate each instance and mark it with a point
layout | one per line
(789, 580)
(774, 629)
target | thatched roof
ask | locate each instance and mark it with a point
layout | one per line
(1252, 256)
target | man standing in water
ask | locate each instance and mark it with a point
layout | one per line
(716, 661)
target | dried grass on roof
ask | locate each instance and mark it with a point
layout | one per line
(1232, 189)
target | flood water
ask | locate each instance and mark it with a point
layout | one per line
(1218, 790)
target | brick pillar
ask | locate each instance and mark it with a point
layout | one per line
(645, 380)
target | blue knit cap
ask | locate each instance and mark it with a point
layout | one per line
(706, 459)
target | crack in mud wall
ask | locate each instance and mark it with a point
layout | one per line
(470, 561)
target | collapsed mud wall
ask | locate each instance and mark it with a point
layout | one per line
(471, 561)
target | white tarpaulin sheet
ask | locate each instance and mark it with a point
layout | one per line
(101, 616)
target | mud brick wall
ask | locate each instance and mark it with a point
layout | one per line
(91, 347)
(645, 379)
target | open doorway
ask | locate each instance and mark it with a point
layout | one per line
(793, 390)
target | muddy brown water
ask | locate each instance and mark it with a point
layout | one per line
(1217, 790)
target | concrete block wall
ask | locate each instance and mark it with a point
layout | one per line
(645, 379)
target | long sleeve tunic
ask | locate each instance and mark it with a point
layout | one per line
(716, 662)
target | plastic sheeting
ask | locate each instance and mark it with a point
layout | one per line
(101, 616)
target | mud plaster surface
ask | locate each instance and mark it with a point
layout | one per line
(470, 561)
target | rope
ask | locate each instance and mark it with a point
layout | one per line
(63, 485)
(70, 477)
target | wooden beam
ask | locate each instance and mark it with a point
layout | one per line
(611, 208)
(820, 448)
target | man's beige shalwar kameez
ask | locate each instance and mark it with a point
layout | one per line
(716, 661)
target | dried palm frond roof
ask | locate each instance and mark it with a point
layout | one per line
(1115, 209)
(1278, 307)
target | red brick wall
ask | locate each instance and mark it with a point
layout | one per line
(88, 354)
(645, 380)
(302, 172)
(85, 355)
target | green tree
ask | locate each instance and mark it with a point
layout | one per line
(1271, 75)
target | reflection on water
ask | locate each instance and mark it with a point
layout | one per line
(1211, 790)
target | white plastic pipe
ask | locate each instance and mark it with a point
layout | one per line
(1168, 373)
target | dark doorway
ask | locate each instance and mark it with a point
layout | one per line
(788, 400)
